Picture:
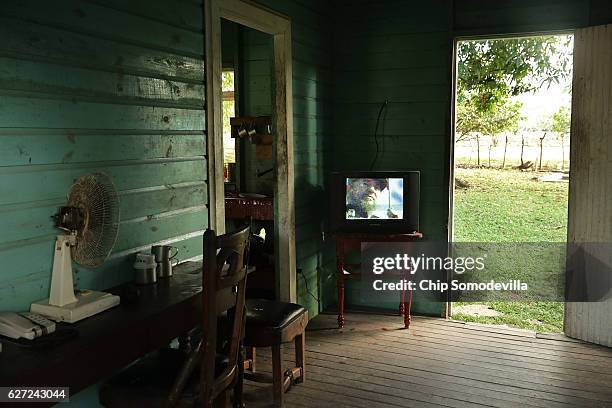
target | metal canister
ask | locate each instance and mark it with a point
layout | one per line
(164, 268)
(164, 259)
(145, 269)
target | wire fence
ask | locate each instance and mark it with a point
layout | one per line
(512, 150)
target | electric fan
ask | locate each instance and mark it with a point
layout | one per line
(91, 222)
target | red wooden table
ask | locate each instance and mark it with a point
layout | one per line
(347, 242)
(244, 207)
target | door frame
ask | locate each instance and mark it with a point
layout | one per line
(278, 26)
(589, 212)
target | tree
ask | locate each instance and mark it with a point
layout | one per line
(509, 116)
(492, 71)
(561, 122)
(469, 125)
(467, 122)
(500, 119)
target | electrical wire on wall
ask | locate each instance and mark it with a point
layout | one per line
(300, 272)
(380, 112)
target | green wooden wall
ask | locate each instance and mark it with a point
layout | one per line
(400, 52)
(108, 86)
(256, 91)
(478, 17)
(483, 17)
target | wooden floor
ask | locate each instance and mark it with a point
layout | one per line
(439, 363)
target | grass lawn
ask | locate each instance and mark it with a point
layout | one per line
(511, 206)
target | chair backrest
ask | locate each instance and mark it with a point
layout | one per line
(224, 287)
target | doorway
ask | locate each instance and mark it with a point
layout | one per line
(510, 168)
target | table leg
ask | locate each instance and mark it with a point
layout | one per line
(340, 278)
(407, 307)
(402, 308)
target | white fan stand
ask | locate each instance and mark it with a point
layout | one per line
(63, 304)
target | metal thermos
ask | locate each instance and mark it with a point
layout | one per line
(164, 259)
(164, 268)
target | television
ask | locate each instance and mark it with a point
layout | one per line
(375, 201)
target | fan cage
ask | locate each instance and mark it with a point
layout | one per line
(96, 196)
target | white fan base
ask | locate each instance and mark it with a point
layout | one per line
(88, 303)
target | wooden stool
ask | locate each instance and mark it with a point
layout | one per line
(269, 324)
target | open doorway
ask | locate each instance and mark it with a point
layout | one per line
(511, 161)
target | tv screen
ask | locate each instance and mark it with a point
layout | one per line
(375, 201)
(381, 198)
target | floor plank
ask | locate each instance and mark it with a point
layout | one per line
(439, 363)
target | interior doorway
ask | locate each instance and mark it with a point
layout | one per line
(510, 166)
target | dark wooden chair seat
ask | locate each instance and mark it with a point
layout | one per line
(202, 376)
(270, 323)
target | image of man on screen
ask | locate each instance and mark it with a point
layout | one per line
(362, 196)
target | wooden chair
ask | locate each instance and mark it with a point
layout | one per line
(170, 377)
(271, 323)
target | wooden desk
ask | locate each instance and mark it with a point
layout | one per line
(112, 339)
(347, 242)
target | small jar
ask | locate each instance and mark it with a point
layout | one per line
(145, 269)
